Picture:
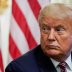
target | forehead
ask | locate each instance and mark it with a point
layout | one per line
(55, 22)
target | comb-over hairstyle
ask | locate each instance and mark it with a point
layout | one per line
(56, 10)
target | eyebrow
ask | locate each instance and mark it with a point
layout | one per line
(44, 25)
(60, 26)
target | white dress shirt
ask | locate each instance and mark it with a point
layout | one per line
(68, 67)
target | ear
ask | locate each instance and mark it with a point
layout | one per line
(70, 37)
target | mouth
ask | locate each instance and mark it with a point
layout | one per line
(52, 47)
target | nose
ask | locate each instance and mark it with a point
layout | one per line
(51, 36)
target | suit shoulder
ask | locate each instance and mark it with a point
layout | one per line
(28, 56)
(25, 62)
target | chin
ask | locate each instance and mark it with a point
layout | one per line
(52, 53)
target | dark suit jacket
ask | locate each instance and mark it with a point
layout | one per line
(33, 61)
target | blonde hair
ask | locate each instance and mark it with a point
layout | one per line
(56, 10)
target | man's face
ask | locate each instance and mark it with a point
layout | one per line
(56, 36)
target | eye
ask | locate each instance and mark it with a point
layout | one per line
(60, 30)
(45, 29)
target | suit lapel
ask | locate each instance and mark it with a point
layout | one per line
(44, 62)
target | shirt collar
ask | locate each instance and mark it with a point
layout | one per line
(55, 62)
(68, 61)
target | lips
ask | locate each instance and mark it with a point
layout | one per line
(52, 47)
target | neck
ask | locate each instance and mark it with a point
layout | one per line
(61, 58)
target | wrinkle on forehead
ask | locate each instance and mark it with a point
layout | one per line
(49, 20)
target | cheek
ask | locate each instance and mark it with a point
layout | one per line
(65, 43)
(43, 38)
(63, 40)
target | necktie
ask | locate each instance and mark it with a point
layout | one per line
(62, 66)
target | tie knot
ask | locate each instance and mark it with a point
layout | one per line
(62, 66)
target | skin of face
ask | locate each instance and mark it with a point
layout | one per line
(56, 37)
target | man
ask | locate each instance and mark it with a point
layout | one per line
(55, 21)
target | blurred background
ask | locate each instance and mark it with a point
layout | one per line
(19, 28)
